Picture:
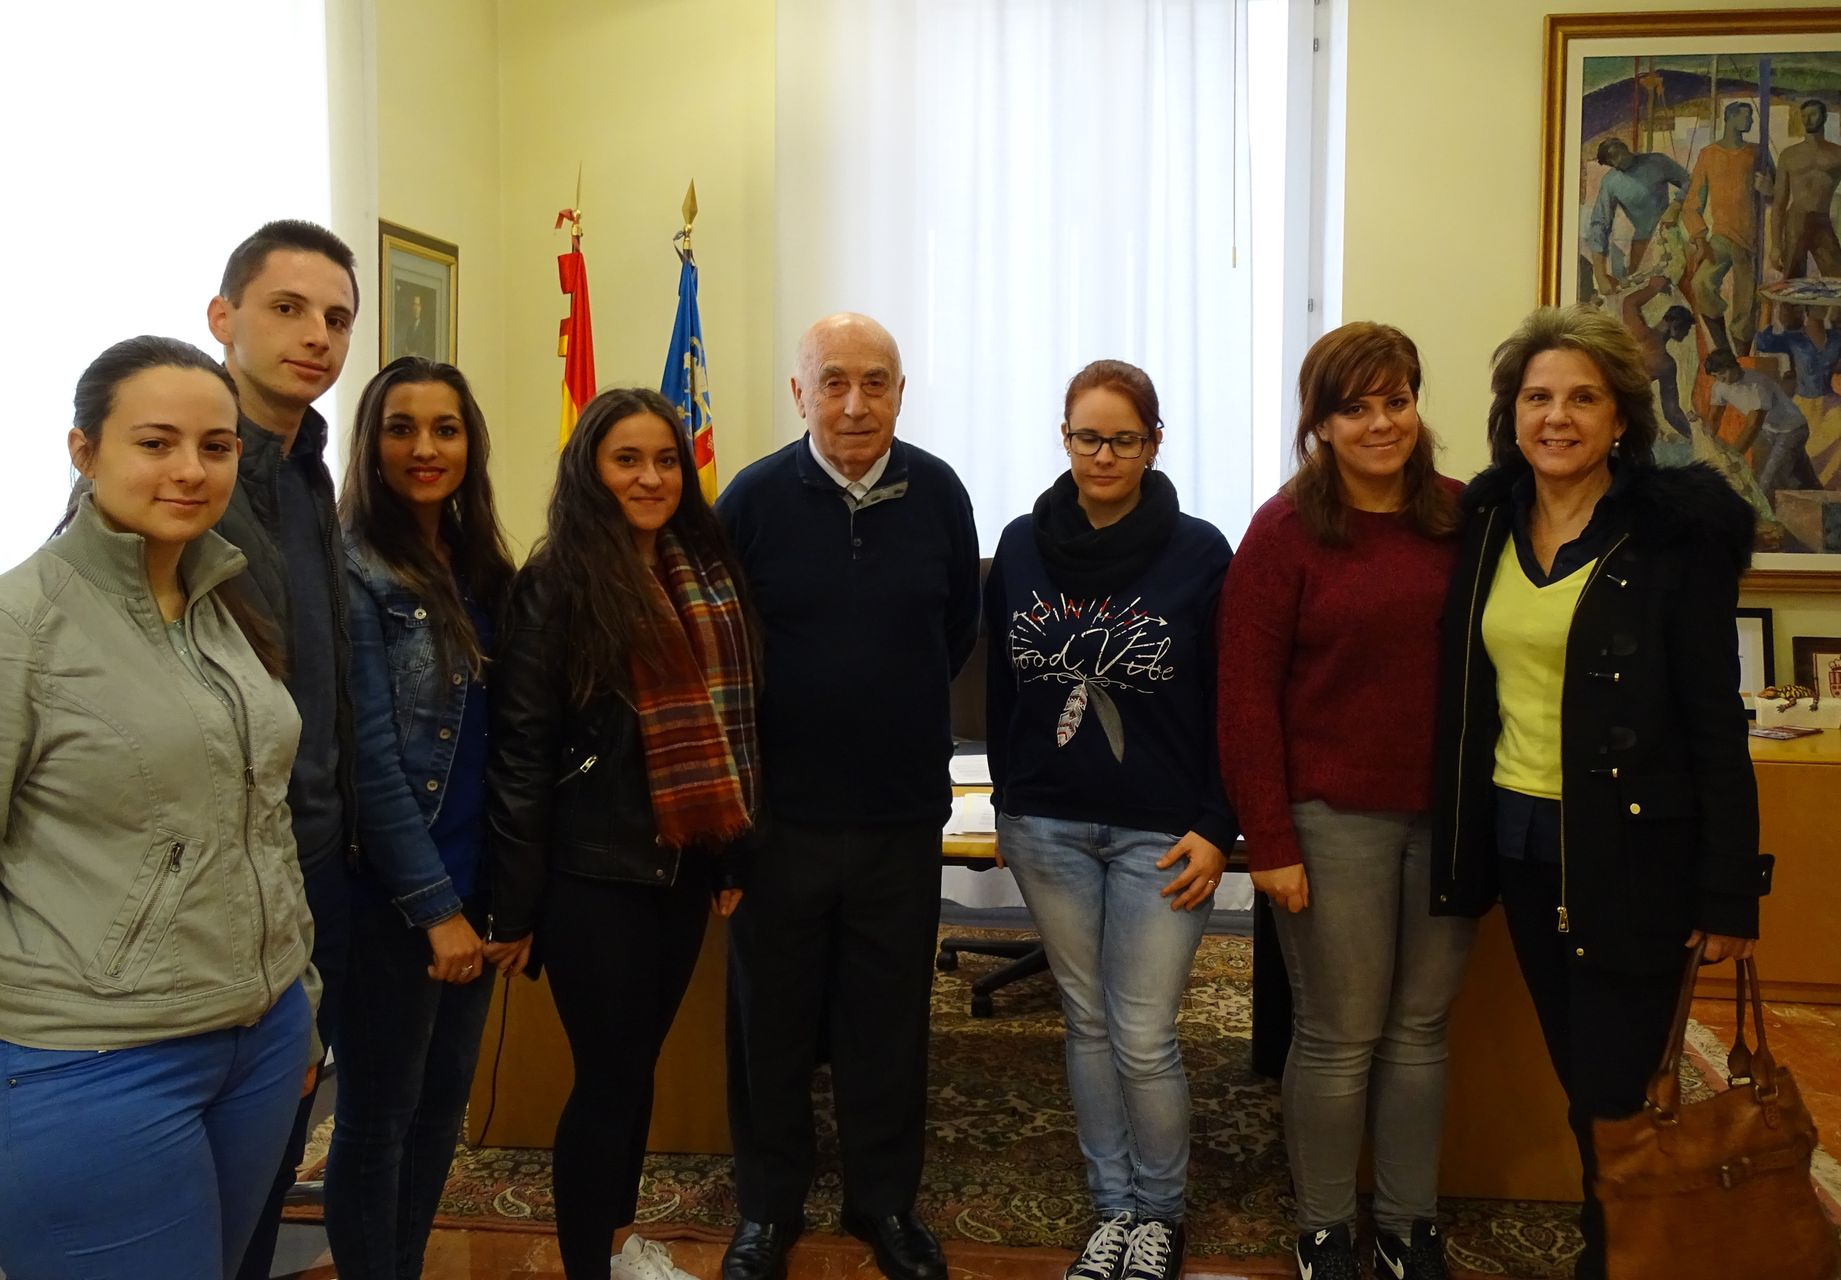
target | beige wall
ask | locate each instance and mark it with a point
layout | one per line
(438, 171)
(1442, 212)
(645, 95)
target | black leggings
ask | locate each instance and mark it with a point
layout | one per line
(619, 959)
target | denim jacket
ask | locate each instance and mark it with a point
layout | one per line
(408, 723)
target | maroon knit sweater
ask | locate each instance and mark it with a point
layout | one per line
(1328, 671)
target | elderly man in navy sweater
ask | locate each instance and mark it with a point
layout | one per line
(862, 561)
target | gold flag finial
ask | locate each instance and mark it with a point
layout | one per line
(681, 241)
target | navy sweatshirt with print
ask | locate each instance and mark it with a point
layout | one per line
(1102, 710)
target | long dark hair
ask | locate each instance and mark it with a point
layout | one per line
(1360, 359)
(381, 520)
(94, 400)
(588, 551)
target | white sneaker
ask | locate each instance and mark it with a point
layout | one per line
(643, 1259)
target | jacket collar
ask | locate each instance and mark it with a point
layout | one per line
(262, 448)
(892, 483)
(116, 562)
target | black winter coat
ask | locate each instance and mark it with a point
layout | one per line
(1659, 808)
(566, 785)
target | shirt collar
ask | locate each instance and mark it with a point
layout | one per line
(857, 489)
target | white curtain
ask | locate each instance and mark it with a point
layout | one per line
(144, 142)
(1017, 187)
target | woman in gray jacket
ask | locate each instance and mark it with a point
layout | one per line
(155, 991)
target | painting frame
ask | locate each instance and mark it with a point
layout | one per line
(1569, 38)
(418, 291)
(1805, 651)
(1757, 652)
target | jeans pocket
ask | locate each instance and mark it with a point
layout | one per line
(21, 1065)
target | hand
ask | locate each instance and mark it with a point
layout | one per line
(1720, 947)
(724, 901)
(1195, 885)
(313, 1078)
(1288, 887)
(510, 957)
(456, 950)
(1763, 185)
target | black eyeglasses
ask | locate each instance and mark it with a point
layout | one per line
(1127, 444)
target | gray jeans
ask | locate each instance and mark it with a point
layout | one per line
(1373, 974)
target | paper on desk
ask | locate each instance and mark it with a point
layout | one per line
(971, 770)
(971, 816)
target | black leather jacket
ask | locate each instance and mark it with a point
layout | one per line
(566, 784)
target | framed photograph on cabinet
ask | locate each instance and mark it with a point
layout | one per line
(1757, 658)
(418, 295)
(1689, 172)
(1816, 661)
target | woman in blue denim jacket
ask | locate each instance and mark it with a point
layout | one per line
(428, 573)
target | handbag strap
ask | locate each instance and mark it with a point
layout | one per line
(1664, 1093)
(1744, 1065)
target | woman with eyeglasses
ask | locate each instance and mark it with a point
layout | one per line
(1101, 607)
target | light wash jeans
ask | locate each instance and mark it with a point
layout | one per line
(1121, 958)
(1373, 974)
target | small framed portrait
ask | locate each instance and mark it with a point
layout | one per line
(1757, 661)
(419, 295)
(1817, 661)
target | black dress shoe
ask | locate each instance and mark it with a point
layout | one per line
(758, 1250)
(905, 1249)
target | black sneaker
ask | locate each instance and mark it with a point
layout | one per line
(1155, 1251)
(1327, 1254)
(1103, 1258)
(1422, 1259)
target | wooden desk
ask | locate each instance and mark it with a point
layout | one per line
(1799, 820)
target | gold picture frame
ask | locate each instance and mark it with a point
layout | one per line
(418, 295)
(1645, 94)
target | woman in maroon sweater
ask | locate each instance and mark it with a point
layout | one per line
(1328, 653)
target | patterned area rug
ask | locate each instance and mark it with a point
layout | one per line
(1002, 1163)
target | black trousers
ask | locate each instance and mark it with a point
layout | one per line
(619, 959)
(834, 937)
(329, 900)
(1604, 1030)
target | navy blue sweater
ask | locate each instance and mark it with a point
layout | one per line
(868, 612)
(1148, 651)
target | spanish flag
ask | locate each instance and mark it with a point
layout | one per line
(575, 344)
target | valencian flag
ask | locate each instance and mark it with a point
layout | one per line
(686, 382)
(575, 344)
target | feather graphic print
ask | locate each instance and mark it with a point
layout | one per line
(1072, 712)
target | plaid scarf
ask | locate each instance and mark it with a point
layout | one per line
(696, 707)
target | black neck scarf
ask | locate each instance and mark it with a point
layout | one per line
(1086, 562)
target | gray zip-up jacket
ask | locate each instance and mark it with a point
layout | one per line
(148, 884)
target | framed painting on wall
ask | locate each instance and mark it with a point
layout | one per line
(1690, 187)
(418, 295)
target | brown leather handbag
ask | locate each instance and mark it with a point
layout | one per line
(1717, 1189)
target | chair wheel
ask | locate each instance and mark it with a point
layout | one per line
(981, 1007)
(946, 961)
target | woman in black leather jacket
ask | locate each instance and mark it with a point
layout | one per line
(623, 777)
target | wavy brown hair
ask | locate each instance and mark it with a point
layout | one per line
(95, 400)
(1603, 340)
(1360, 359)
(382, 521)
(588, 551)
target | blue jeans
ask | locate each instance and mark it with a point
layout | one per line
(406, 1055)
(148, 1163)
(1121, 957)
(1373, 974)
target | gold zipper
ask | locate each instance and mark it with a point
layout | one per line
(1463, 702)
(1565, 923)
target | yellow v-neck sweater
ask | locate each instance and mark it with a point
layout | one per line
(1524, 633)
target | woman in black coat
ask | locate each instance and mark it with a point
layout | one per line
(1593, 770)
